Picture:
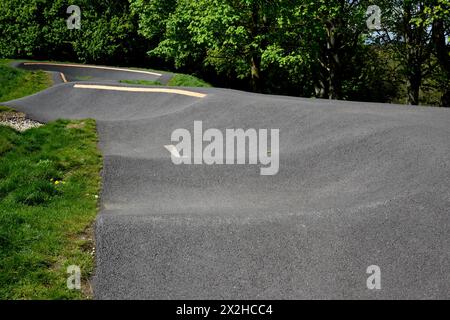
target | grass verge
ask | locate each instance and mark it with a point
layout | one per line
(185, 80)
(142, 82)
(178, 80)
(6, 109)
(17, 83)
(49, 182)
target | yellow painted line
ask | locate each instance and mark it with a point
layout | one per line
(90, 67)
(134, 89)
(63, 77)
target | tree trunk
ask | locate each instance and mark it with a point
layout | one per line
(333, 62)
(320, 87)
(256, 76)
(413, 59)
(255, 60)
(445, 100)
(442, 53)
(414, 82)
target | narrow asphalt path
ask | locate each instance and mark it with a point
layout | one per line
(359, 184)
(67, 72)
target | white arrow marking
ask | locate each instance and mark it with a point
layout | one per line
(63, 77)
(173, 150)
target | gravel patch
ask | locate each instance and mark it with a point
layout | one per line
(18, 121)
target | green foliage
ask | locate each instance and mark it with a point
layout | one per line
(15, 83)
(433, 10)
(142, 82)
(49, 179)
(108, 32)
(153, 16)
(185, 80)
(414, 34)
(229, 36)
(276, 47)
(37, 28)
(5, 109)
(178, 80)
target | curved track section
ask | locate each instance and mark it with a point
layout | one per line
(80, 72)
(359, 184)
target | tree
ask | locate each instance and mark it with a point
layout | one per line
(152, 18)
(228, 35)
(341, 26)
(410, 40)
(266, 40)
(109, 33)
(37, 28)
(417, 47)
(438, 16)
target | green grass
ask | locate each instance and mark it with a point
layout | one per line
(16, 83)
(5, 61)
(6, 109)
(83, 78)
(178, 80)
(185, 80)
(49, 182)
(142, 82)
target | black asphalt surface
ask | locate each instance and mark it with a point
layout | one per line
(359, 184)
